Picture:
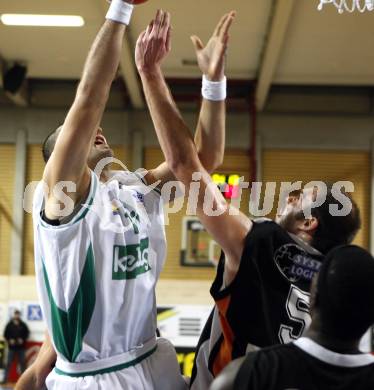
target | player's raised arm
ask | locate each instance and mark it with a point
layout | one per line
(210, 130)
(179, 147)
(68, 161)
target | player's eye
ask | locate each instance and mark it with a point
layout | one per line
(296, 194)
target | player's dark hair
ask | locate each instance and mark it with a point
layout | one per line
(49, 144)
(345, 293)
(334, 230)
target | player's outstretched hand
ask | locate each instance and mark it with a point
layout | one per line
(211, 58)
(154, 44)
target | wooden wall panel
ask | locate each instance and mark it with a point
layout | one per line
(7, 171)
(327, 166)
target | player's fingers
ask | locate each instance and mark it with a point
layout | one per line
(152, 27)
(221, 52)
(149, 29)
(196, 41)
(219, 25)
(158, 18)
(157, 23)
(141, 37)
(165, 20)
(227, 24)
(168, 39)
(165, 26)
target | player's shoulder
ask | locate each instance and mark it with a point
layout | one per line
(267, 229)
(270, 368)
(279, 350)
(266, 223)
(272, 356)
(262, 220)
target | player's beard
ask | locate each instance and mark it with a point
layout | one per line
(288, 221)
(97, 154)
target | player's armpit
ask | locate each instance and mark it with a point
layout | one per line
(63, 196)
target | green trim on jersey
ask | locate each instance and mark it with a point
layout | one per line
(69, 327)
(90, 199)
(84, 208)
(109, 369)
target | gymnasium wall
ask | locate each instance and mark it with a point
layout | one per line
(329, 166)
(294, 147)
(7, 161)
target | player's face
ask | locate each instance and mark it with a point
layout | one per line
(99, 150)
(292, 214)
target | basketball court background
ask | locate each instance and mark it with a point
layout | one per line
(300, 107)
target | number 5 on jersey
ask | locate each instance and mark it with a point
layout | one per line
(297, 307)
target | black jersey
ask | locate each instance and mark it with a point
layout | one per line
(266, 304)
(305, 365)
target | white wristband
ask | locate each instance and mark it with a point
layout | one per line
(120, 12)
(214, 90)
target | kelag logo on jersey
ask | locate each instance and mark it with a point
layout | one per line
(130, 261)
(295, 263)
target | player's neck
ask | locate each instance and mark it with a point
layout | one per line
(307, 238)
(105, 174)
(331, 343)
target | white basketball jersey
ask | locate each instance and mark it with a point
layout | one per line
(96, 274)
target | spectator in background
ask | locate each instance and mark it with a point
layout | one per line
(16, 333)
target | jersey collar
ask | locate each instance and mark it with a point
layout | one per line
(312, 348)
(308, 248)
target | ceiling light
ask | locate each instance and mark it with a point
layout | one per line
(42, 20)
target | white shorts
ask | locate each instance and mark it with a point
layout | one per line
(153, 367)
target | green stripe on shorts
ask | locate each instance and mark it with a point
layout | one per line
(108, 370)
